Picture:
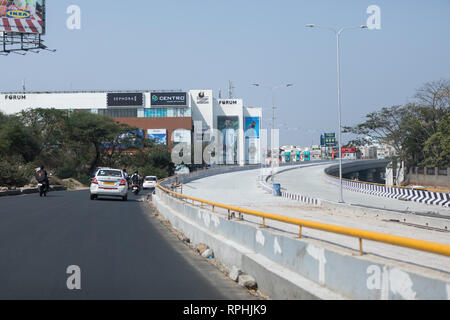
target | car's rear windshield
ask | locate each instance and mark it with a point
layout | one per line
(150, 179)
(109, 173)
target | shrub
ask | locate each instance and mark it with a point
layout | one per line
(84, 179)
(14, 174)
(66, 173)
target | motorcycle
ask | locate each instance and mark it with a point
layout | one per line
(135, 189)
(42, 189)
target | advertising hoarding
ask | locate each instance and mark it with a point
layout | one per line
(124, 99)
(159, 135)
(22, 16)
(169, 99)
(252, 128)
(229, 127)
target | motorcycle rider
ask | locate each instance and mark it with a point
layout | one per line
(42, 177)
(136, 178)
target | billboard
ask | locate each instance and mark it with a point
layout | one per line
(229, 127)
(124, 99)
(22, 16)
(252, 128)
(169, 99)
(159, 135)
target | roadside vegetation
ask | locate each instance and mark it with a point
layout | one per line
(419, 131)
(73, 145)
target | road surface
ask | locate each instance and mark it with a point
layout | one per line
(123, 252)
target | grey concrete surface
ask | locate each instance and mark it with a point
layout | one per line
(286, 267)
(240, 189)
(311, 182)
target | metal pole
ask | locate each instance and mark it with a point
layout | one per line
(273, 131)
(341, 197)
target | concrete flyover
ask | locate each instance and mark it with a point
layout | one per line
(320, 265)
(353, 166)
(430, 196)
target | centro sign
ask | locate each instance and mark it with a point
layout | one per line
(169, 99)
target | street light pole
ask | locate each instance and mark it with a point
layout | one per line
(338, 34)
(273, 119)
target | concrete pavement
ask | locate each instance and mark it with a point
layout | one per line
(311, 182)
(240, 189)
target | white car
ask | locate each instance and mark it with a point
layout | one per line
(150, 182)
(109, 182)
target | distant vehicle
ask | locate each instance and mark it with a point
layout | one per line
(109, 182)
(150, 182)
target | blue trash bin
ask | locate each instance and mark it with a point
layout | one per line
(277, 190)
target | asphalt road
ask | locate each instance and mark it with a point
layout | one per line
(123, 252)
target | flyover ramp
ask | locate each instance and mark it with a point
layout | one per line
(311, 182)
(240, 189)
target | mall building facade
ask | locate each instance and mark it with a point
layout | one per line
(169, 116)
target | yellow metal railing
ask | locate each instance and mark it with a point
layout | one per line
(421, 245)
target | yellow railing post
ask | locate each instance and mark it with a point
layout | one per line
(360, 246)
(299, 232)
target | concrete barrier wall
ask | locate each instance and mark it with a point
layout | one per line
(407, 194)
(440, 178)
(286, 267)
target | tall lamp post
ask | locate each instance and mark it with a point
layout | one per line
(272, 89)
(338, 34)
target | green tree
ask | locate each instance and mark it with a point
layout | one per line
(15, 139)
(409, 128)
(437, 147)
(88, 134)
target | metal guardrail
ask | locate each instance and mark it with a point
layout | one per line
(421, 245)
(391, 186)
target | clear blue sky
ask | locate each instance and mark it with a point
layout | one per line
(189, 44)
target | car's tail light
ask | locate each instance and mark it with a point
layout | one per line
(123, 183)
(94, 181)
